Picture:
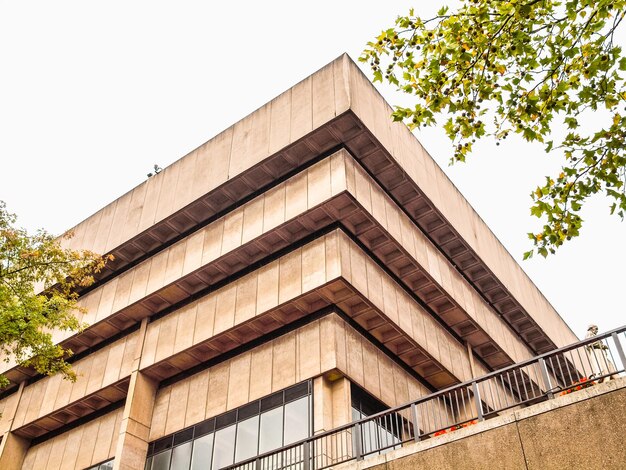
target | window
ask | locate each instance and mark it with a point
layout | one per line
(258, 427)
(381, 433)
(108, 465)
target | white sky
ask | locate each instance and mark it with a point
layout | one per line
(92, 94)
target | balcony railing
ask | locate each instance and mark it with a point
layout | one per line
(557, 372)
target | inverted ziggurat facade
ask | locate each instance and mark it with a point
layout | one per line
(307, 266)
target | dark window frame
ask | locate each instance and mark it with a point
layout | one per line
(365, 404)
(212, 425)
(98, 465)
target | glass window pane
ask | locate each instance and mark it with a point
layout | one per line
(239, 434)
(202, 450)
(224, 447)
(106, 465)
(370, 436)
(181, 457)
(161, 461)
(247, 439)
(271, 430)
(297, 420)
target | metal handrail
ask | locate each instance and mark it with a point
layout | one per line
(408, 428)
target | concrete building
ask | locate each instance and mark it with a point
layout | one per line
(309, 265)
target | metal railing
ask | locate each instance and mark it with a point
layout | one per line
(561, 371)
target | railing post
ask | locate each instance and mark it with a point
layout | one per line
(258, 464)
(416, 422)
(620, 350)
(546, 378)
(479, 405)
(357, 442)
(305, 455)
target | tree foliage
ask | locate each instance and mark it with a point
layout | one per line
(530, 67)
(32, 263)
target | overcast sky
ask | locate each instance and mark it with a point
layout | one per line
(92, 94)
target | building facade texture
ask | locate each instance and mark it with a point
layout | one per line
(308, 266)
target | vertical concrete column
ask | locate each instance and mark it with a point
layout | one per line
(332, 408)
(132, 443)
(322, 405)
(342, 403)
(331, 399)
(13, 448)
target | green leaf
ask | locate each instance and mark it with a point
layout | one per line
(492, 68)
(536, 211)
(26, 316)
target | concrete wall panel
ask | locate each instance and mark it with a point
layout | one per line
(212, 162)
(250, 141)
(94, 372)
(273, 366)
(78, 448)
(280, 122)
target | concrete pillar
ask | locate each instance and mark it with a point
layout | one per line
(332, 408)
(132, 443)
(332, 404)
(322, 405)
(13, 451)
(342, 403)
(13, 448)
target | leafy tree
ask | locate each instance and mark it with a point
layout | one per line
(530, 67)
(27, 317)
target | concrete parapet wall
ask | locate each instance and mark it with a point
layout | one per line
(584, 429)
